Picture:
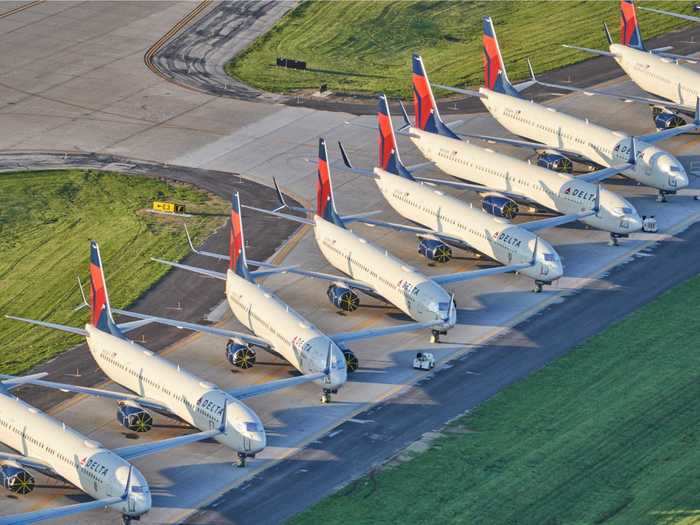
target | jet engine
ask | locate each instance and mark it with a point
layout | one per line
(16, 479)
(343, 298)
(240, 355)
(500, 206)
(664, 119)
(555, 162)
(131, 415)
(434, 250)
(351, 361)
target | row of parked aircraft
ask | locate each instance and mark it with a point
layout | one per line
(155, 385)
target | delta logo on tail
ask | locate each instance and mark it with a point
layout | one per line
(323, 186)
(630, 34)
(492, 56)
(423, 103)
(387, 148)
(236, 254)
(98, 292)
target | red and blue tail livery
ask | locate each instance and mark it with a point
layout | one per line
(495, 76)
(389, 158)
(236, 243)
(325, 205)
(630, 35)
(426, 111)
(100, 312)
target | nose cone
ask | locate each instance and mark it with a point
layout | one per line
(339, 370)
(672, 171)
(139, 496)
(634, 221)
(551, 267)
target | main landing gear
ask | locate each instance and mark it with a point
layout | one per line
(326, 395)
(242, 456)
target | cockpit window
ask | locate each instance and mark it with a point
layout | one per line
(251, 426)
(675, 169)
(443, 307)
(137, 489)
(626, 210)
(549, 257)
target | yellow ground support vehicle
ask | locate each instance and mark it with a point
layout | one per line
(168, 207)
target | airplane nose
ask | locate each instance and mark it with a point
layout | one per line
(258, 441)
(682, 180)
(557, 270)
(634, 222)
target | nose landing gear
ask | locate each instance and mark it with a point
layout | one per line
(326, 396)
(242, 456)
(538, 286)
(435, 335)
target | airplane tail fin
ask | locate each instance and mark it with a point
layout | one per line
(325, 204)
(236, 245)
(630, 35)
(100, 310)
(495, 75)
(389, 158)
(427, 116)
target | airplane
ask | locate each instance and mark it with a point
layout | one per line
(48, 446)
(654, 70)
(160, 385)
(448, 220)
(373, 270)
(504, 180)
(564, 137)
(278, 328)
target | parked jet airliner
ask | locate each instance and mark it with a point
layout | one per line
(372, 269)
(567, 135)
(452, 221)
(51, 448)
(278, 329)
(507, 180)
(161, 385)
(654, 70)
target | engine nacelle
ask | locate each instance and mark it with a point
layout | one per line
(555, 162)
(16, 479)
(667, 120)
(500, 206)
(434, 250)
(132, 416)
(343, 298)
(240, 355)
(352, 363)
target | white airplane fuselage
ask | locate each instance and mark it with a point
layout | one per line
(497, 238)
(658, 75)
(654, 167)
(195, 401)
(553, 190)
(95, 470)
(413, 293)
(291, 336)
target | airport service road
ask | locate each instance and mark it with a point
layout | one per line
(189, 298)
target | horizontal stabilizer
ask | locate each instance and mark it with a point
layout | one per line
(671, 13)
(55, 326)
(469, 92)
(302, 220)
(589, 50)
(195, 269)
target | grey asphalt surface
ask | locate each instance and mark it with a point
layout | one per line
(196, 57)
(196, 297)
(290, 486)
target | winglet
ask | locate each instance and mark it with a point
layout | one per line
(696, 117)
(280, 196)
(451, 307)
(406, 120)
(346, 159)
(633, 151)
(125, 496)
(596, 205)
(532, 72)
(222, 425)
(82, 295)
(607, 33)
(534, 252)
(189, 239)
(327, 369)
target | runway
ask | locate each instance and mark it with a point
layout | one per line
(141, 116)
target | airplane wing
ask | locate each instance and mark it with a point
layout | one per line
(26, 461)
(350, 283)
(672, 132)
(589, 50)
(108, 394)
(197, 327)
(60, 512)
(602, 174)
(302, 220)
(469, 92)
(472, 187)
(413, 229)
(477, 274)
(272, 386)
(195, 269)
(146, 449)
(344, 337)
(125, 327)
(670, 13)
(552, 222)
(10, 382)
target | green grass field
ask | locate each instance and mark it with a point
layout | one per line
(608, 434)
(365, 47)
(46, 222)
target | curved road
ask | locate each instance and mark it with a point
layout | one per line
(196, 57)
(202, 295)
